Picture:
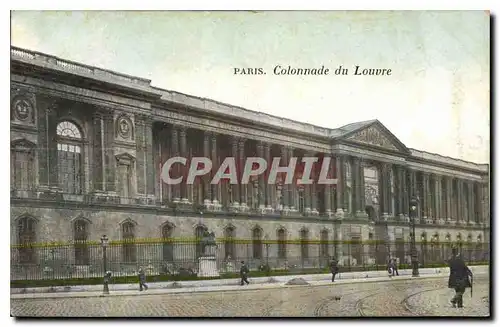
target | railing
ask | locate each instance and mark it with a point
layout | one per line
(173, 256)
(75, 66)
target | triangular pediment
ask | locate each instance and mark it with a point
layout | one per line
(377, 135)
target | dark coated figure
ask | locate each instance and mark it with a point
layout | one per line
(244, 273)
(334, 268)
(142, 279)
(459, 278)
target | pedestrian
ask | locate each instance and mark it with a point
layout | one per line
(142, 279)
(334, 268)
(392, 268)
(459, 278)
(244, 273)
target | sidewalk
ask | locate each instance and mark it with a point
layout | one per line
(229, 284)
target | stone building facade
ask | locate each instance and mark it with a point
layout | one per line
(87, 147)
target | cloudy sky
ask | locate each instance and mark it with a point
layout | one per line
(436, 100)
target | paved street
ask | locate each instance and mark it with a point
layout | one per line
(395, 298)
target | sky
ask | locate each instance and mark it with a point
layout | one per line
(436, 100)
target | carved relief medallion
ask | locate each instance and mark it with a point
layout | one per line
(124, 127)
(22, 109)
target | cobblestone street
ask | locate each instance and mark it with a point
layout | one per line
(394, 298)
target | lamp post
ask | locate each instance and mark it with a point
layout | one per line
(104, 244)
(413, 216)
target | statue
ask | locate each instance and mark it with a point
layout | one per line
(208, 240)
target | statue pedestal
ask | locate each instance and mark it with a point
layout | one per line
(207, 264)
(207, 267)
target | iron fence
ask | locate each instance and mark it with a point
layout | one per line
(170, 257)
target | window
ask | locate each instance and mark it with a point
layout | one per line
(80, 236)
(281, 243)
(198, 232)
(69, 156)
(229, 245)
(22, 166)
(26, 229)
(257, 243)
(304, 244)
(166, 235)
(128, 247)
(324, 244)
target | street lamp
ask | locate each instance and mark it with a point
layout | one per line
(413, 216)
(104, 244)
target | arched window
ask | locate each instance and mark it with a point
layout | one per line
(69, 157)
(304, 244)
(166, 235)
(199, 232)
(257, 243)
(128, 247)
(281, 243)
(80, 236)
(26, 233)
(229, 245)
(324, 253)
(22, 166)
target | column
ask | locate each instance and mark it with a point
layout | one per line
(397, 191)
(340, 187)
(405, 191)
(97, 153)
(184, 187)
(478, 203)
(472, 212)
(241, 158)
(459, 202)
(215, 167)
(346, 161)
(308, 194)
(174, 146)
(437, 197)
(383, 189)
(400, 183)
(449, 194)
(361, 182)
(109, 152)
(355, 186)
(314, 198)
(413, 183)
(269, 187)
(206, 178)
(140, 164)
(262, 186)
(292, 188)
(284, 189)
(43, 141)
(426, 196)
(150, 164)
(235, 187)
(328, 190)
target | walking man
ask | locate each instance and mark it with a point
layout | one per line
(459, 278)
(334, 268)
(393, 268)
(244, 273)
(142, 279)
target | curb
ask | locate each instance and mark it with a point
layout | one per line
(230, 288)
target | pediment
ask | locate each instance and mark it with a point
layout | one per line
(377, 135)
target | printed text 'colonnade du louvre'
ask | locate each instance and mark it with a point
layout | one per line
(230, 170)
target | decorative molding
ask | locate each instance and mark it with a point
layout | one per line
(373, 136)
(125, 158)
